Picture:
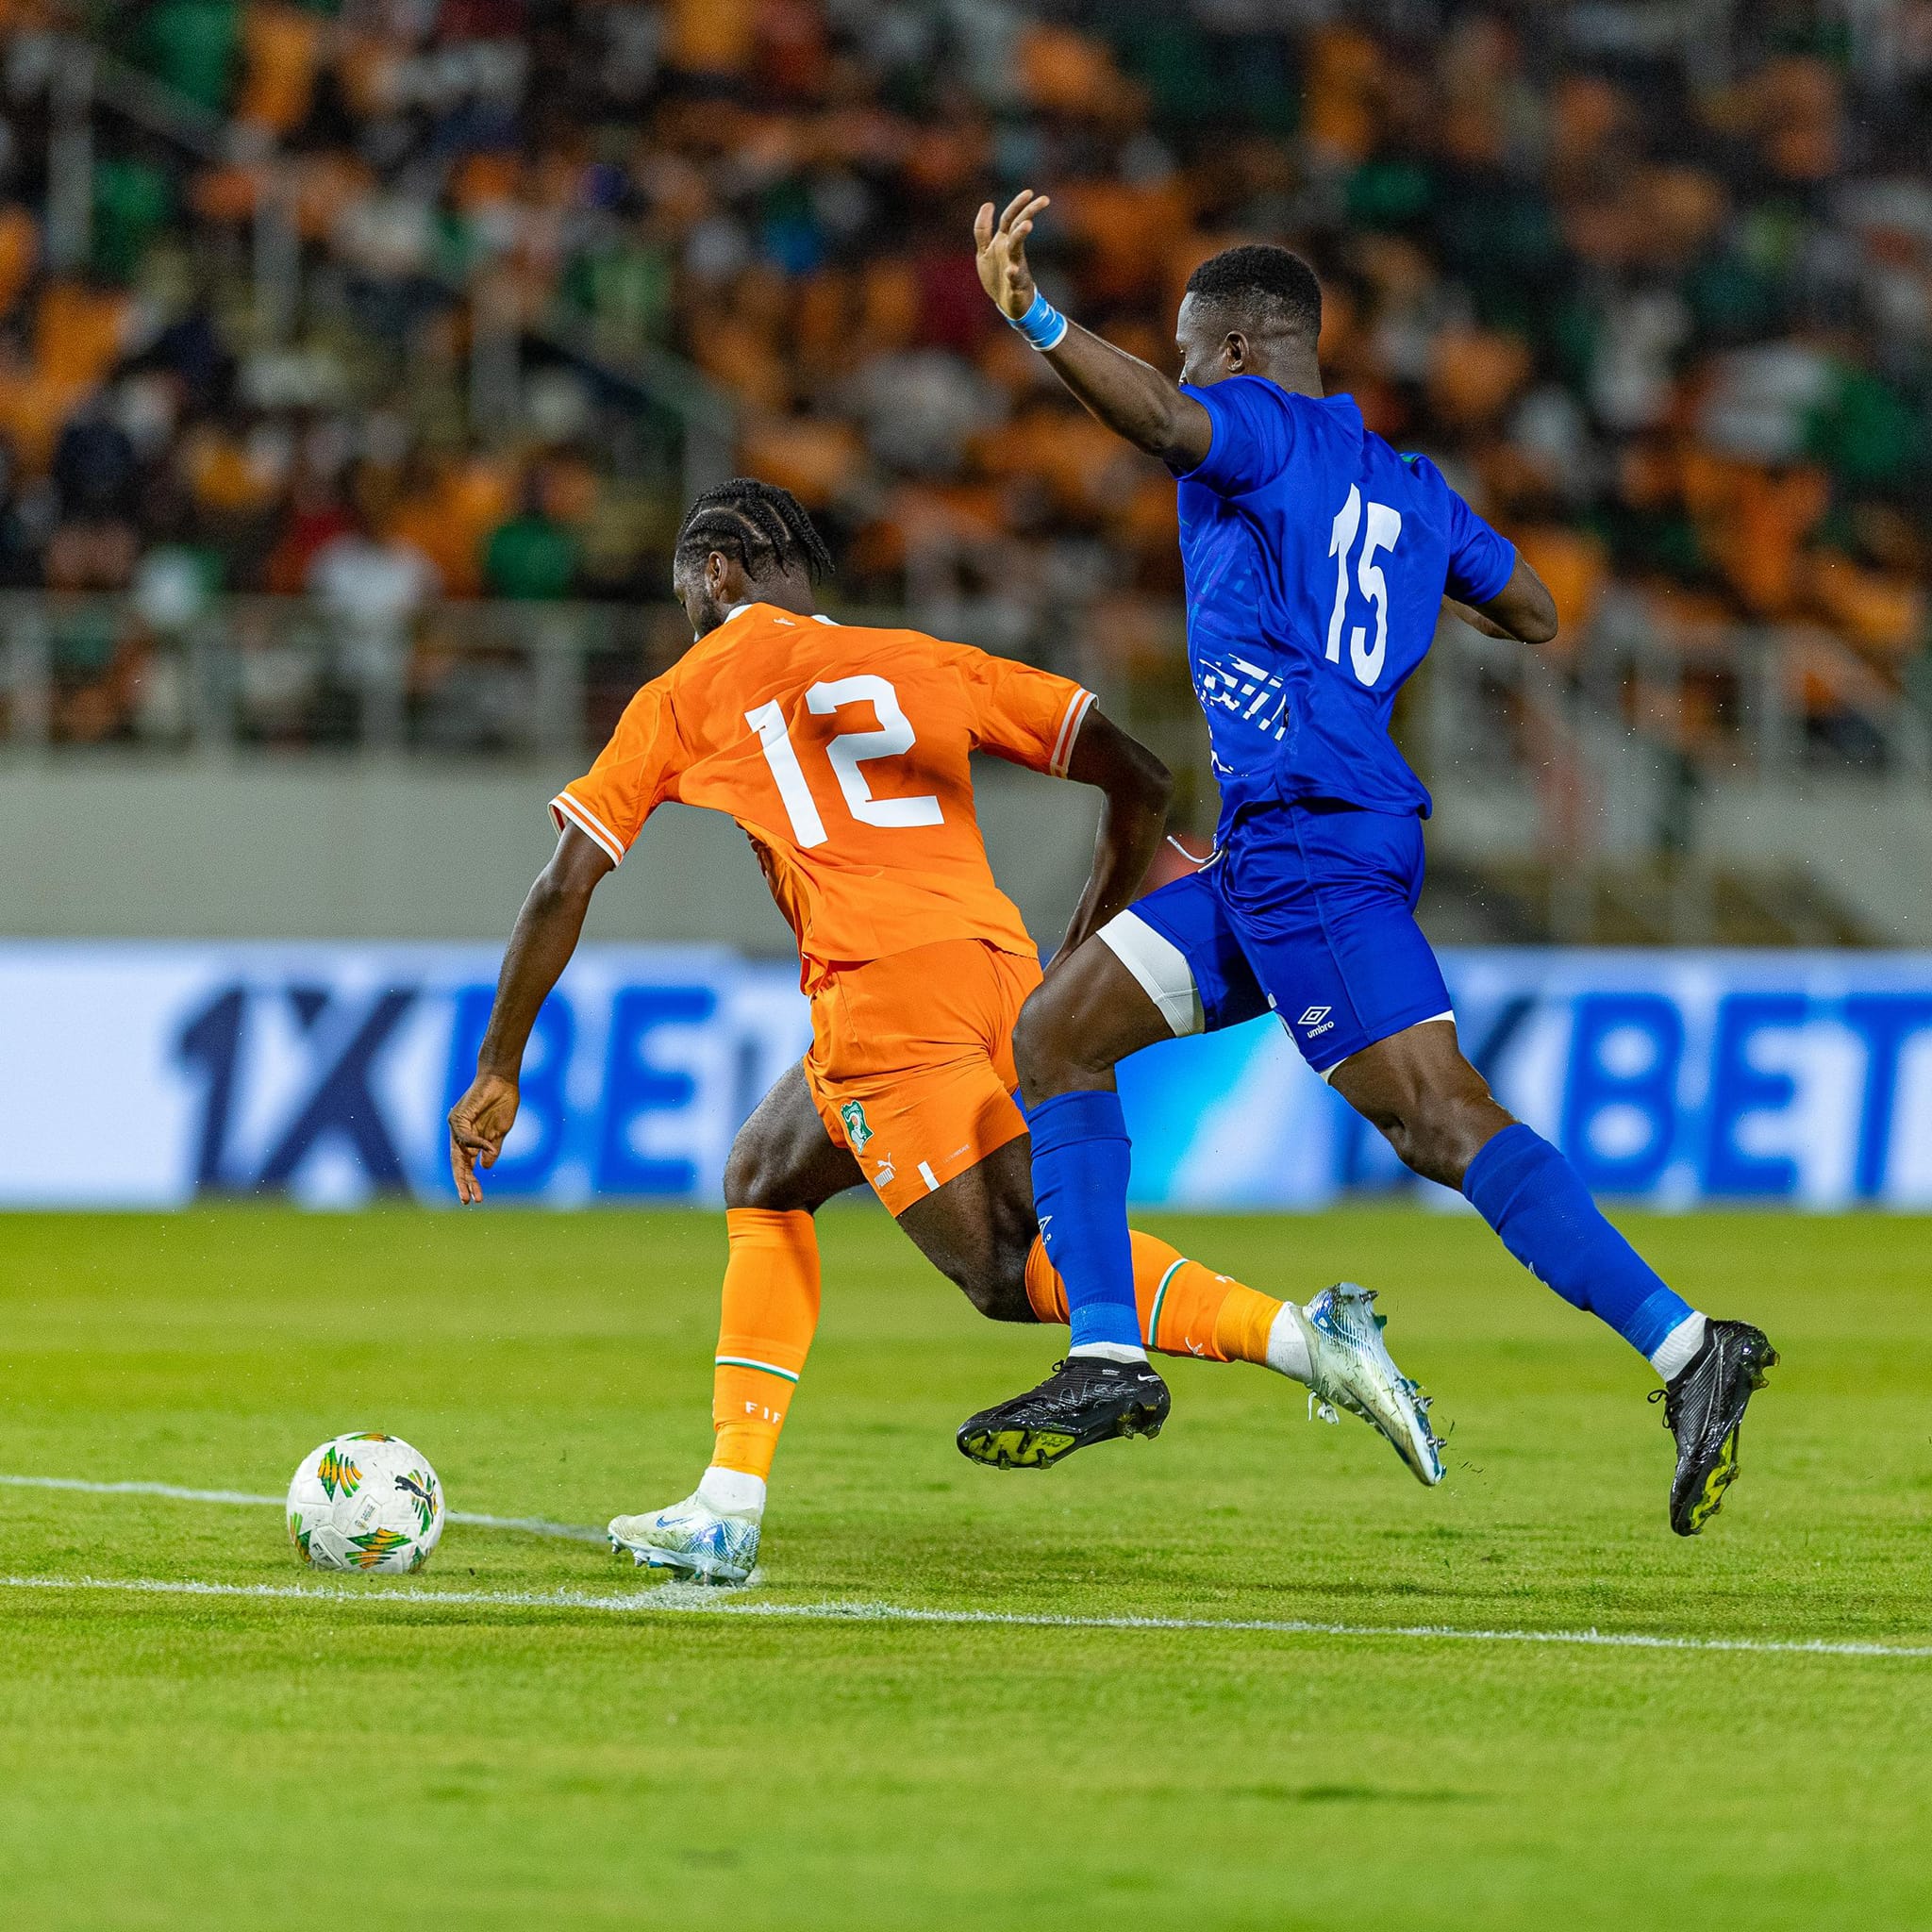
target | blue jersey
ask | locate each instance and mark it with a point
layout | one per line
(1316, 560)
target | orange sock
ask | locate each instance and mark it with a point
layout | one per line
(1185, 1308)
(771, 1309)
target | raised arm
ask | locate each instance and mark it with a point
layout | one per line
(1132, 397)
(1134, 788)
(541, 945)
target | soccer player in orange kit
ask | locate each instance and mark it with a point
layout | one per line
(842, 752)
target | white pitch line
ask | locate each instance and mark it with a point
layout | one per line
(533, 1525)
(674, 1599)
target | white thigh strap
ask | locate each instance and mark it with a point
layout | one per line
(1160, 967)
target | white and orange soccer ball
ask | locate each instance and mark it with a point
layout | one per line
(367, 1502)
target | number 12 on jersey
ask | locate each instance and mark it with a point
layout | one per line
(844, 753)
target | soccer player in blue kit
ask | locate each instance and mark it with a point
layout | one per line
(1318, 560)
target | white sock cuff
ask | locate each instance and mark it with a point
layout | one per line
(1288, 1347)
(1111, 1351)
(1672, 1355)
(732, 1492)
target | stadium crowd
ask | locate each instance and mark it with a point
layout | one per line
(1663, 309)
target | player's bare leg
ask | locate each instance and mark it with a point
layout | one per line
(783, 1168)
(1089, 1014)
(783, 1161)
(978, 1229)
(1433, 1108)
(1439, 1116)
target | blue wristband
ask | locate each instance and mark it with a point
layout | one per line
(1043, 325)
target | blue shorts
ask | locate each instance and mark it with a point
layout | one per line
(1309, 911)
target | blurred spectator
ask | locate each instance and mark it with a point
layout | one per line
(1672, 331)
(531, 556)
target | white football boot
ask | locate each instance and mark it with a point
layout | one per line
(1351, 1369)
(708, 1545)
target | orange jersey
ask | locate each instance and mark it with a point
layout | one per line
(842, 752)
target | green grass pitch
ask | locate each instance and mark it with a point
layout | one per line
(171, 1761)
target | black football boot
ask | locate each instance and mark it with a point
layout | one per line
(1087, 1399)
(1703, 1409)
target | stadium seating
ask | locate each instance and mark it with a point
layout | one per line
(1663, 309)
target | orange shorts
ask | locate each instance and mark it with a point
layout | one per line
(912, 1063)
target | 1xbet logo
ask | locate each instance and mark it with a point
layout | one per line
(290, 1072)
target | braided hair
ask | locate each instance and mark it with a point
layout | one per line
(762, 528)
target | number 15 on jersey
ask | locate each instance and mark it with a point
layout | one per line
(1384, 527)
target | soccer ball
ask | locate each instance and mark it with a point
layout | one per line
(365, 1502)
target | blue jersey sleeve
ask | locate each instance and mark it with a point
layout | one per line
(1481, 562)
(1253, 435)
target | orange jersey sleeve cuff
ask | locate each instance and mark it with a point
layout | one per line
(1071, 719)
(566, 810)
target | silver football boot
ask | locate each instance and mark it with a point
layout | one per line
(1354, 1369)
(691, 1538)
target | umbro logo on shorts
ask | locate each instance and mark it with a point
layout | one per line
(1314, 1016)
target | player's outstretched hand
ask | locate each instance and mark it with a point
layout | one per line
(478, 1124)
(1002, 271)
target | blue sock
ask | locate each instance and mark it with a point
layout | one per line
(1537, 1201)
(1080, 1156)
